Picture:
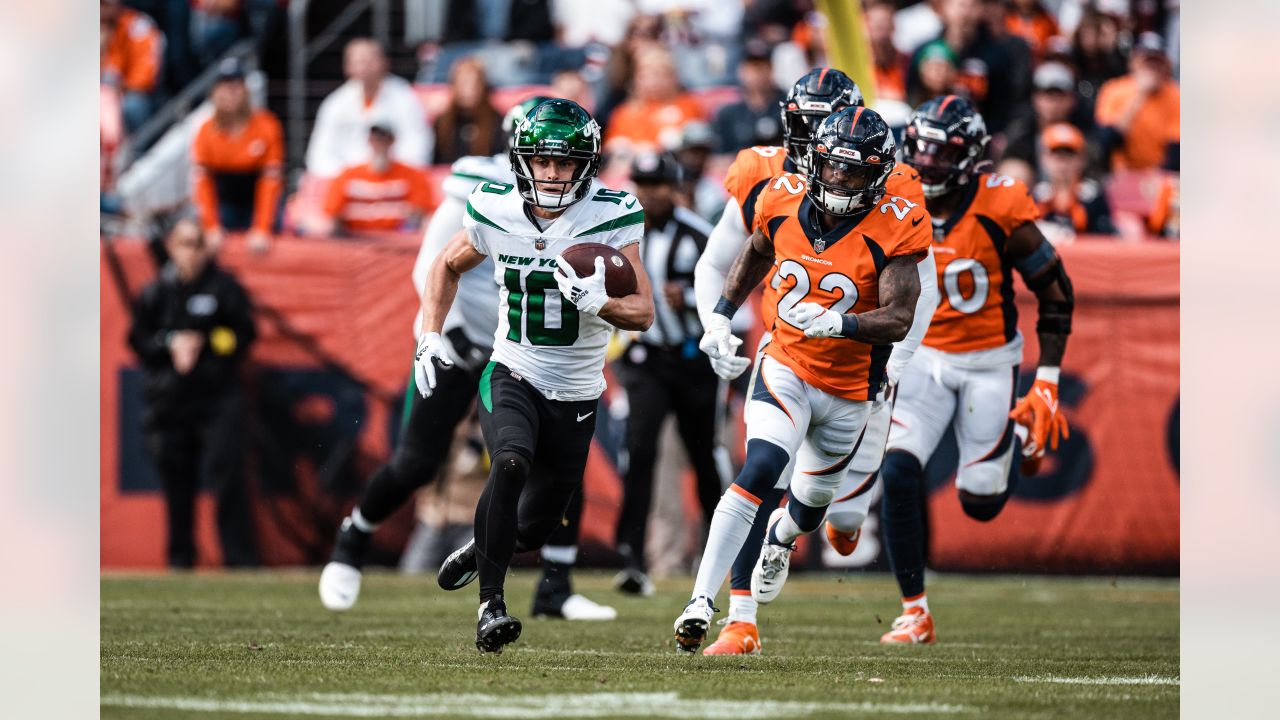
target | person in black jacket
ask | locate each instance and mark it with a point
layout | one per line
(192, 328)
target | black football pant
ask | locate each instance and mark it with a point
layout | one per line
(538, 449)
(207, 451)
(659, 382)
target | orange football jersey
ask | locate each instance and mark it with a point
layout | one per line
(975, 280)
(754, 167)
(839, 269)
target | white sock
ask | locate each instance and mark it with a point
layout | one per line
(563, 554)
(785, 531)
(919, 601)
(361, 524)
(730, 525)
(742, 607)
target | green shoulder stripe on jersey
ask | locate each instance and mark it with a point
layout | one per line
(469, 176)
(486, 395)
(635, 218)
(482, 219)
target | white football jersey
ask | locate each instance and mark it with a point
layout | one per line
(475, 310)
(541, 336)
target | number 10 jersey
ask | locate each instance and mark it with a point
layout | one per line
(541, 336)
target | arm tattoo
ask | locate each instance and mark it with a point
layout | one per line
(749, 268)
(899, 290)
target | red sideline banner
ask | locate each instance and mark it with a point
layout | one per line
(327, 376)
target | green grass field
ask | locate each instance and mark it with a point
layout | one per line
(259, 645)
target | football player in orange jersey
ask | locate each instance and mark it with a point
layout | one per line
(966, 371)
(845, 255)
(811, 99)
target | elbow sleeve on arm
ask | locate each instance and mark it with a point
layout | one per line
(926, 304)
(723, 245)
(1054, 314)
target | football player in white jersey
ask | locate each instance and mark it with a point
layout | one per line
(540, 389)
(427, 434)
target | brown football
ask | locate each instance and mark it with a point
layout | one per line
(619, 276)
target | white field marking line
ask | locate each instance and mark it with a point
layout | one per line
(1141, 680)
(570, 705)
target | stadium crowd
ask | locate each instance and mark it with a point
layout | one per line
(1081, 97)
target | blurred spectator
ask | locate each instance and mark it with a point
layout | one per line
(237, 157)
(215, 27)
(1053, 100)
(916, 25)
(192, 328)
(570, 85)
(935, 70)
(890, 63)
(1029, 20)
(131, 51)
(377, 196)
(1139, 114)
(174, 19)
(753, 120)
(990, 75)
(470, 125)
(657, 108)
(643, 31)
(1018, 52)
(592, 21)
(696, 190)
(1165, 218)
(662, 371)
(1069, 201)
(1096, 45)
(339, 139)
(499, 20)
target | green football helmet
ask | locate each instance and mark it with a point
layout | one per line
(517, 114)
(555, 128)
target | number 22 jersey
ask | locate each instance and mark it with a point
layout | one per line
(837, 269)
(541, 336)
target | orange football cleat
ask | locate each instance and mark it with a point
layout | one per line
(843, 544)
(737, 638)
(913, 627)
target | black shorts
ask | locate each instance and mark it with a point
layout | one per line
(555, 435)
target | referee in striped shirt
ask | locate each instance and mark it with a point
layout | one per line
(662, 371)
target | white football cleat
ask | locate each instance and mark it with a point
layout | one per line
(691, 626)
(339, 586)
(770, 572)
(578, 607)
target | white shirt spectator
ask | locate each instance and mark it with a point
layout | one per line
(914, 26)
(340, 137)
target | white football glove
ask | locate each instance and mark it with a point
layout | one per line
(587, 293)
(717, 338)
(430, 347)
(729, 367)
(815, 320)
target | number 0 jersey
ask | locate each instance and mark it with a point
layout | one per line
(839, 269)
(755, 167)
(541, 336)
(976, 311)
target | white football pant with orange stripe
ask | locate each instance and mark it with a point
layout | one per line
(853, 498)
(818, 431)
(938, 387)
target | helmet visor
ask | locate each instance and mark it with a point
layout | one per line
(935, 161)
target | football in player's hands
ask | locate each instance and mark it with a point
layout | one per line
(619, 277)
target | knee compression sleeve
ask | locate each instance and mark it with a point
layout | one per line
(903, 479)
(764, 464)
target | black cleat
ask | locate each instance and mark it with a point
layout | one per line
(633, 581)
(459, 569)
(496, 629)
(351, 545)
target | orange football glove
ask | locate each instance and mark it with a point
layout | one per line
(1038, 412)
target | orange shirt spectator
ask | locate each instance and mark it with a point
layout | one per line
(889, 65)
(237, 155)
(1140, 112)
(132, 49)
(380, 195)
(1029, 20)
(657, 109)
